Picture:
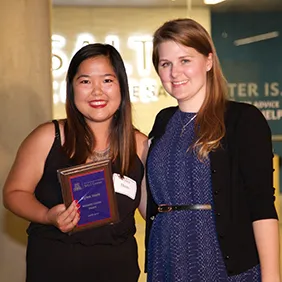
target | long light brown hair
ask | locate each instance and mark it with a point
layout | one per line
(209, 125)
(79, 139)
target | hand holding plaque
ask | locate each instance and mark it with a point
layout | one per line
(91, 185)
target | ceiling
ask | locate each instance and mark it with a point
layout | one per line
(228, 5)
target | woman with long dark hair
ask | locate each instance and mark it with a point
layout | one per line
(98, 126)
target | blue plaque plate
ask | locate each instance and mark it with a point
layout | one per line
(91, 185)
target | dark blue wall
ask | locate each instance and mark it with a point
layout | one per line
(254, 69)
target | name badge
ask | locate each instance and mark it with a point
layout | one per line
(125, 186)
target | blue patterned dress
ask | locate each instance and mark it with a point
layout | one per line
(183, 245)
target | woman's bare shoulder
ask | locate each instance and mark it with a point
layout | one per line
(142, 145)
(140, 137)
(41, 138)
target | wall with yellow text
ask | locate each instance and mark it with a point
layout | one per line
(130, 31)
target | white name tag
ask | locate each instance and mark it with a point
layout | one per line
(125, 186)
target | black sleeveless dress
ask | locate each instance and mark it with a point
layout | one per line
(102, 254)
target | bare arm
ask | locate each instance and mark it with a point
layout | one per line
(142, 151)
(267, 239)
(27, 170)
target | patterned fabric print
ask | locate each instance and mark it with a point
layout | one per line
(183, 244)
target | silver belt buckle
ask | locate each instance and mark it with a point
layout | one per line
(164, 208)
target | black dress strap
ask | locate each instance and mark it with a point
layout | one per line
(57, 130)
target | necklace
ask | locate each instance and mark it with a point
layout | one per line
(186, 124)
(100, 155)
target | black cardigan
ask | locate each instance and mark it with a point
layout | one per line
(242, 182)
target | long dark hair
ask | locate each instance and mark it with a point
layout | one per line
(209, 125)
(79, 139)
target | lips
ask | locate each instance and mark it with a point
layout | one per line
(98, 104)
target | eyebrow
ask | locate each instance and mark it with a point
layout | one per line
(83, 75)
(181, 57)
(186, 56)
(87, 76)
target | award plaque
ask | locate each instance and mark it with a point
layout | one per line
(91, 185)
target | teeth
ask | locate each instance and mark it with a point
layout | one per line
(97, 103)
(179, 82)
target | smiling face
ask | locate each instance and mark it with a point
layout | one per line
(183, 73)
(96, 90)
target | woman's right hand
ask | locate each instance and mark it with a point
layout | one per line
(64, 218)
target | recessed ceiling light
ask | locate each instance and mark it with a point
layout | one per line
(212, 2)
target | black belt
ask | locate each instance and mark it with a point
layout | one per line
(168, 208)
